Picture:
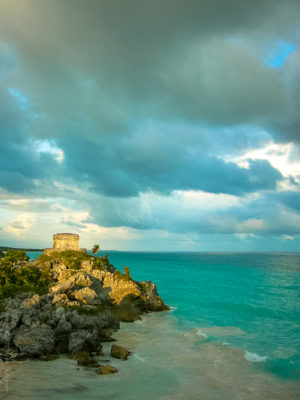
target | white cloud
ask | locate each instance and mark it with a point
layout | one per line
(48, 146)
(20, 225)
(278, 155)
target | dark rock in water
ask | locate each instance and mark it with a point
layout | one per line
(106, 370)
(83, 340)
(152, 300)
(35, 340)
(119, 352)
(84, 359)
(88, 361)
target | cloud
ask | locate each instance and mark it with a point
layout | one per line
(133, 115)
(20, 225)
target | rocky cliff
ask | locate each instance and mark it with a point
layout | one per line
(75, 302)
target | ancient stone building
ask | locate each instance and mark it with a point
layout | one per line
(64, 241)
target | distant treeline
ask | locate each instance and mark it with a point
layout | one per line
(3, 248)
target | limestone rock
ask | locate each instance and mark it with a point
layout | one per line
(60, 300)
(106, 370)
(105, 319)
(119, 352)
(35, 341)
(152, 300)
(87, 266)
(57, 270)
(86, 295)
(32, 301)
(119, 287)
(83, 280)
(63, 327)
(129, 309)
(83, 340)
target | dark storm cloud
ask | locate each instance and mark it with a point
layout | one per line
(108, 64)
(162, 164)
(148, 96)
(20, 164)
(290, 199)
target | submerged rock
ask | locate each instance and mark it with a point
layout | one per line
(87, 361)
(106, 370)
(119, 352)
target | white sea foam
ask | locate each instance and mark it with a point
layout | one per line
(253, 357)
(195, 332)
(173, 308)
(138, 357)
(199, 332)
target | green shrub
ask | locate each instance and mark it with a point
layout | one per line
(15, 256)
(43, 258)
(143, 286)
(15, 278)
(119, 275)
(102, 263)
(71, 258)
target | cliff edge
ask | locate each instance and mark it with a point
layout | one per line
(66, 302)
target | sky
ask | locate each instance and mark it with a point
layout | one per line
(151, 125)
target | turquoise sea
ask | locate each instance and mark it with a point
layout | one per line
(233, 332)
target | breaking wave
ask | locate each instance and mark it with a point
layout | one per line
(253, 357)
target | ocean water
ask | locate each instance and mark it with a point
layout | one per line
(233, 332)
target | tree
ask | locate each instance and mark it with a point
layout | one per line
(95, 249)
(127, 272)
(16, 256)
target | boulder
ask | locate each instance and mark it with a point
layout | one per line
(63, 327)
(104, 319)
(119, 286)
(84, 359)
(60, 300)
(106, 370)
(129, 309)
(86, 296)
(82, 340)
(152, 300)
(31, 302)
(119, 352)
(35, 341)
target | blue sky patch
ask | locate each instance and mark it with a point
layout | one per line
(21, 99)
(279, 54)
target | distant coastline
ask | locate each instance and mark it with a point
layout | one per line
(5, 248)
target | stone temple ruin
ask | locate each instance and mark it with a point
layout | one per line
(64, 241)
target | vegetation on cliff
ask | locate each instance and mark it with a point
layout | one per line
(18, 275)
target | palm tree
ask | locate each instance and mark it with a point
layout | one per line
(95, 249)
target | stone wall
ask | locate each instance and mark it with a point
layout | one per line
(64, 241)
